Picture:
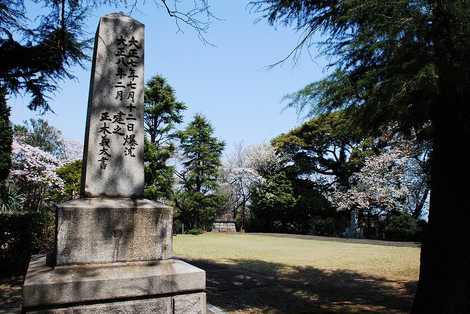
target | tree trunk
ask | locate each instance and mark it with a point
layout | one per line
(444, 282)
(420, 205)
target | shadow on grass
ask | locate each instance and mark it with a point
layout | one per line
(253, 286)
(10, 294)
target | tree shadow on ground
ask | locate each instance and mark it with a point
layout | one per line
(10, 294)
(253, 286)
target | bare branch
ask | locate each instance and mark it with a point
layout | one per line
(198, 17)
(295, 52)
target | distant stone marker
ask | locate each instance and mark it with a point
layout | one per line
(114, 138)
(113, 249)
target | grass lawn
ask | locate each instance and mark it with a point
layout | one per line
(254, 273)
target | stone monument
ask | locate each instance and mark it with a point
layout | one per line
(224, 221)
(113, 251)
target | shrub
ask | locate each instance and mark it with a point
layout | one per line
(323, 226)
(23, 234)
(401, 227)
(195, 231)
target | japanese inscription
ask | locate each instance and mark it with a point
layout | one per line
(120, 125)
(114, 138)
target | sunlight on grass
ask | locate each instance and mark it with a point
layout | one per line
(389, 262)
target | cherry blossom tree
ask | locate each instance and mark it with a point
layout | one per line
(242, 171)
(392, 181)
(33, 174)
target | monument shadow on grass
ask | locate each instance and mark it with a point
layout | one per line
(257, 286)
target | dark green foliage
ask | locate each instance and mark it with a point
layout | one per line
(39, 133)
(202, 152)
(312, 213)
(196, 209)
(5, 140)
(162, 111)
(329, 145)
(323, 226)
(283, 203)
(197, 200)
(195, 231)
(23, 234)
(70, 173)
(401, 227)
(272, 204)
(34, 56)
(323, 152)
(162, 114)
(384, 67)
(158, 175)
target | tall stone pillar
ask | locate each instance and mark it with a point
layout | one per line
(113, 251)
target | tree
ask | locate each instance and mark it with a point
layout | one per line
(162, 113)
(404, 62)
(33, 173)
(272, 202)
(387, 182)
(39, 133)
(238, 176)
(35, 56)
(323, 153)
(197, 200)
(5, 140)
(391, 183)
(281, 199)
(70, 173)
(327, 147)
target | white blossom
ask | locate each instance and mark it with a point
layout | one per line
(384, 183)
(33, 166)
(73, 150)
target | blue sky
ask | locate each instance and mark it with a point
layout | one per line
(229, 84)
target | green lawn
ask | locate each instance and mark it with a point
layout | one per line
(252, 273)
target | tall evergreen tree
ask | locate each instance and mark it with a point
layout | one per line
(405, 63)
(201, 151)
(161, 115)
(5, 138)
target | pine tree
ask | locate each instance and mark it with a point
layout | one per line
(162, 113)
(197, 199)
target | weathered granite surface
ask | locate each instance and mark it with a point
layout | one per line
(194, 303)
(114, 139)
(103, 230)
(48, 286)
(147, 306)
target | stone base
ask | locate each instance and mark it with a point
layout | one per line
(163, 287)
(224, 226)
(109, 230)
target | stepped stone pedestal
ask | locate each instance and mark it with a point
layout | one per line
(113, 251)
(167, 286)
(113, 256)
